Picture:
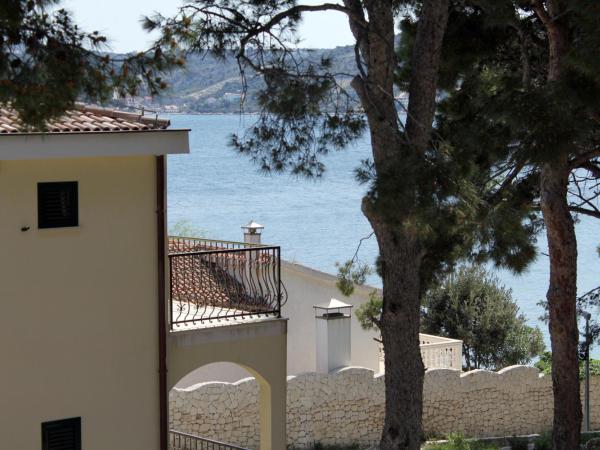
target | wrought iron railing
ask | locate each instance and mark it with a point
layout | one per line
(220, 280)
(181, 244)
(184, 441)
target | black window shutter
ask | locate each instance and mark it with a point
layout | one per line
(62, 434)
(58, 204)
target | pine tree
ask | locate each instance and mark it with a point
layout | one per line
(427, 203)
(530, 86)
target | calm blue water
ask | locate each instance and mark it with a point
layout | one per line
(317, 223)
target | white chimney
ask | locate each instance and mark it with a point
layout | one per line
(252, 232)
(333, 321)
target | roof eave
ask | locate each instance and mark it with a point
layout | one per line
(27, 146)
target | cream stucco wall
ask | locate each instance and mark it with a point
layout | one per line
(78, 333)
(260, 348)
(305, 287)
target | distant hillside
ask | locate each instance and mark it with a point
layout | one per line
(211, 85)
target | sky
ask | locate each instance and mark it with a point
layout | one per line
(119, 21)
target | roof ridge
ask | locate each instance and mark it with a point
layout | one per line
(116, 113)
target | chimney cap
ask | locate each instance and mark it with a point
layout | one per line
(332, 310)
(252, 227)
(334, 303)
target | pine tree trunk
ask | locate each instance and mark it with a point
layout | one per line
(399, 247)
(404, 370)
(562, 246)
(562, 299)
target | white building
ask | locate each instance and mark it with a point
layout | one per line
(306, 288)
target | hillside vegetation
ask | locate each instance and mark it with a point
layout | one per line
(211, 85)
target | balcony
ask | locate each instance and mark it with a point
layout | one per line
(214, 283)
(440, 352)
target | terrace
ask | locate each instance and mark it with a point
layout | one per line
(215, 283)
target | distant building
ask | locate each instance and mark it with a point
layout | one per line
(231, 97)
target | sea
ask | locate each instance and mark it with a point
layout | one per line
(318, 223)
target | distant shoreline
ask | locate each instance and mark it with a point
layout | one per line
(209, 113)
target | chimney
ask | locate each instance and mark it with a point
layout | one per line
(333, 335)
(252, 232)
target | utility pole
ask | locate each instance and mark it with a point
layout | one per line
(586, 405)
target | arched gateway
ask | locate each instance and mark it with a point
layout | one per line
(259, 346)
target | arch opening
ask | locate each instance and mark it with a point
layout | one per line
(224, 402)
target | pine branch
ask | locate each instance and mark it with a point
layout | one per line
(585, 211)
(591, 167)
(586, 198)
(496, 196)
(584, 158)
(295, 11)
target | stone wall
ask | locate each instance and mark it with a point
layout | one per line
(347, 406)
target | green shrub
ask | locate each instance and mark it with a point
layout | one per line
(458, 442)
(544, 365)
(481, 445)
(544, 441)
(319, 446)
(518, 443)
(592, 444)
(585, 437)
(471, 305)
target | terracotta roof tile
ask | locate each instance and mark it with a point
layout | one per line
(85, 119)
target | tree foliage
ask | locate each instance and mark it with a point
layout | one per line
(472, 306)
(306, 111)
(498, 97)
(369, 313)
(545, 366)
(47, 63)
(430, 204)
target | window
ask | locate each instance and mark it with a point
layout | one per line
(62, 434)
(57, 205)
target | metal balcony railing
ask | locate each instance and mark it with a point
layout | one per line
(184, 441)
(220, 280)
